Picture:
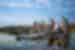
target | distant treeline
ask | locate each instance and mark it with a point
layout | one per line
(19, 29)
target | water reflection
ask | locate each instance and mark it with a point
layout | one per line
(29, 44)
(72, 40)
(7, 40)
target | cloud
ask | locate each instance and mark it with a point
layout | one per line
(11, 4)
(14, 20)
(40, 18)
(3, 4)
(6, 20)
(24, 5)
(15, 4)
(42, 3)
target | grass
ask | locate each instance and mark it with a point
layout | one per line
(72, 30)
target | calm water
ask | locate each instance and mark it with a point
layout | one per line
(29, 44)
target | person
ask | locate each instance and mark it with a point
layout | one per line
(63, 40)
(56, 34)
(51, 33)
(60, 36)
(59, 32)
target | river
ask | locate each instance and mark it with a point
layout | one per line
(8, 42)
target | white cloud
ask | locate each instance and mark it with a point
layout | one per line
(14, 20)
(44, 2)
(14, 4)
(40, 18)
(3, 4)
(11, 4)
(24, 20)
(26, 5)
(6, 20)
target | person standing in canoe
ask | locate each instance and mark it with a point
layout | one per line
(62, 34)
(57, 33)
(50, 32)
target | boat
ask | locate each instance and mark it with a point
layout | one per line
(37, 35)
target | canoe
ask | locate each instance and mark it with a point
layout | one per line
(33, 35)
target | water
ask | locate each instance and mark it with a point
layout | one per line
(31, 45)
(72, 40)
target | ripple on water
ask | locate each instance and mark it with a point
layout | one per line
(33, 45)
(72, 40)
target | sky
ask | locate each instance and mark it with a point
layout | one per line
(20, 12)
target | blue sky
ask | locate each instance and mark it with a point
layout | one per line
(22, 15)
(14, 12)
(20, 12)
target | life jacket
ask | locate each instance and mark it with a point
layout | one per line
(58, 32)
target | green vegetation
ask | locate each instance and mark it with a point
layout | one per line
(72, 29)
